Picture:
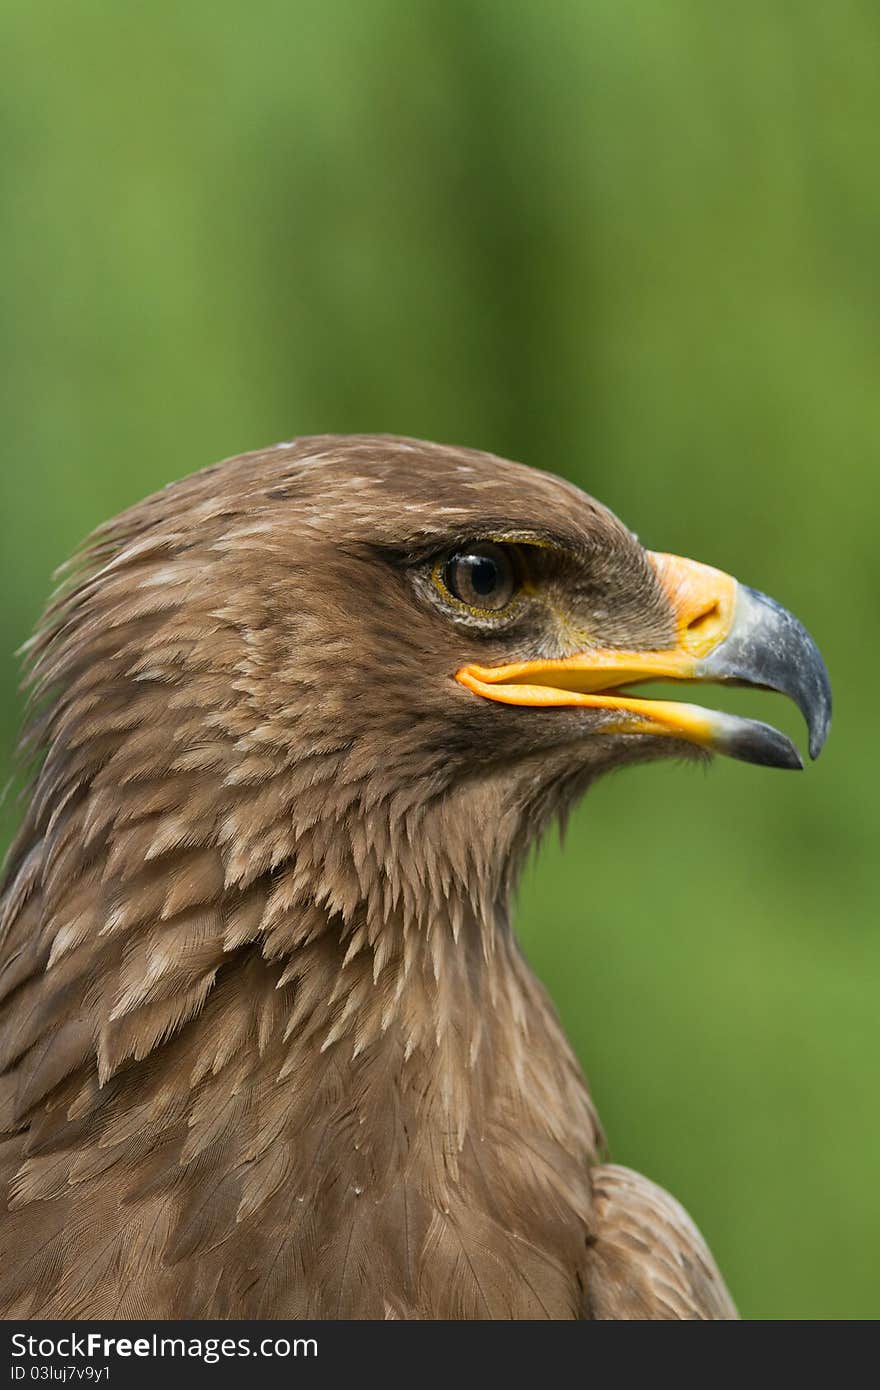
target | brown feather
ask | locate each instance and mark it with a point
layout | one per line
(269, 1047)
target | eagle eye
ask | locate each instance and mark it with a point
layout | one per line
(481, 575)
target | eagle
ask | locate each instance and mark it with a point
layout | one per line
(269, 1045)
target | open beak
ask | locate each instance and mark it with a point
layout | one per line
(725, 632)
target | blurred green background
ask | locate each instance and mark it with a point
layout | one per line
(635, 243)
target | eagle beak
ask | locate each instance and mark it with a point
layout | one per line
(725, 632)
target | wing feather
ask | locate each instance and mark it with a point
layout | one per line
(647, 1260)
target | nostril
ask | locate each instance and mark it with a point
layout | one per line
(703, 620)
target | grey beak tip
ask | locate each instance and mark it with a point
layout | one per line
(781, 752)
(820, 723)
(818, 737)
(770, 647)
(750, 741)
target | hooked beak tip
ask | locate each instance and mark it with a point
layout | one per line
(768, 647)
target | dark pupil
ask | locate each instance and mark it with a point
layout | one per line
(482, 577)
(482, 573)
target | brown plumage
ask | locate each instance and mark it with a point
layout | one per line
(269, 1047)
